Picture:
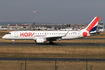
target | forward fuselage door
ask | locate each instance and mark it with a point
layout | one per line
(16, 33)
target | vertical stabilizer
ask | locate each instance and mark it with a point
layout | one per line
(92, 27)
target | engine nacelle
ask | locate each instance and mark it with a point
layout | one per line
(40, 40)
(59, 39)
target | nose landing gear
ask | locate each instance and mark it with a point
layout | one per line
(13, 41)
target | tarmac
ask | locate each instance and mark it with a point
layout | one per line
(52, 59)
(18, 44)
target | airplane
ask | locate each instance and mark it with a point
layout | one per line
(44, 36)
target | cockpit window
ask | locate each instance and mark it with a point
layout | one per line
(8, 33)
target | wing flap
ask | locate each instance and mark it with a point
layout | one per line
(53, 38)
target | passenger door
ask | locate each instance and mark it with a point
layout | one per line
(16, 33)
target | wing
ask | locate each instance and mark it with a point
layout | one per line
(55, 38)
(50, 37)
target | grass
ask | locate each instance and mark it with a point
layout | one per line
(51, 52)
(50, 65)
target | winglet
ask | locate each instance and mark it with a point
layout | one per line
(66, 34)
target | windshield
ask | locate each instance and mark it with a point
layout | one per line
(8, 33)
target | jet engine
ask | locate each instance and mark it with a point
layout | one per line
(40, 40)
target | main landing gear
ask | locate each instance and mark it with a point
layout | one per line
(51, 42)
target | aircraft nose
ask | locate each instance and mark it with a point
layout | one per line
(3, 37)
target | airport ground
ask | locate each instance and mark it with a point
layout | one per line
(78, 48)
(50, 65)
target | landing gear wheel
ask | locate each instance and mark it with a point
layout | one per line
(13, 41)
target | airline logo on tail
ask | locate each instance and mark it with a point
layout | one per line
(93, 25)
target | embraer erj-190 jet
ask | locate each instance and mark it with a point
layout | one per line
(43, 36)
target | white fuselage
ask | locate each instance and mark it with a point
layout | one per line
(26, 35)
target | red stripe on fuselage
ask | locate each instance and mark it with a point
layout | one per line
(93, 23)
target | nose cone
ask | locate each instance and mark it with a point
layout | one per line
(3, 37)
